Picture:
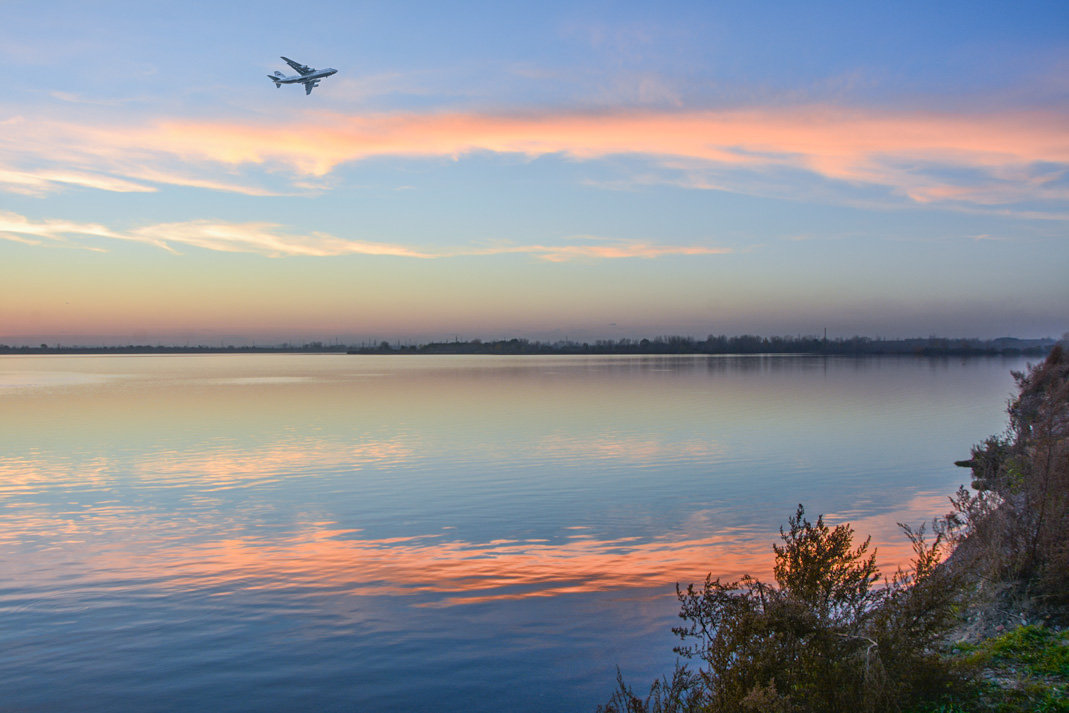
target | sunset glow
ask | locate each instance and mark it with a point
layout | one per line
(622, 176)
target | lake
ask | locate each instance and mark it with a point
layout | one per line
(281, 532)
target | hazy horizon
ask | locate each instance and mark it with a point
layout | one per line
(551, 337)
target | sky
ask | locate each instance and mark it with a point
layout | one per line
(573, 170)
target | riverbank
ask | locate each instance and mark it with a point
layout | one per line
(979, 631)
(1013, 631)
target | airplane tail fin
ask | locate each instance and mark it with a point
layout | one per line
(274, 78)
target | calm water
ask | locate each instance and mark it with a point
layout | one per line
(284, 532)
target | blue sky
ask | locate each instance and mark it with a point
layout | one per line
(581, 170)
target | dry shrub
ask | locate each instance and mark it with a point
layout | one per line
(821, 638)
(1021, 513)
(824, 638)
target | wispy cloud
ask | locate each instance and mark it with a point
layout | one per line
(1009, 187)
(274, 240)
(605, 249)
(264, 239)
(41, 182)
(23, 230)
(173, 178)
(75, 98)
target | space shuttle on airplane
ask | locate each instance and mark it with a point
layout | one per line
(306, 75)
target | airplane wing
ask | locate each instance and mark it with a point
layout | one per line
(302, 69)
(309, 86)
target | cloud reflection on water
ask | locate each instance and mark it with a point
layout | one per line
(432, 570)
(450, 481)
(220, 462)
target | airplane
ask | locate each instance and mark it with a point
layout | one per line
(306, 75)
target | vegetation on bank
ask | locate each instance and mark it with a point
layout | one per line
(978, 631)
(1022, 669)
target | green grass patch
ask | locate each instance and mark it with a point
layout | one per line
(1022, 670)
(1042, 651)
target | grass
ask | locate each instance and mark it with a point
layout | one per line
(1022, 670)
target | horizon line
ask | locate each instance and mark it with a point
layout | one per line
(606, 345)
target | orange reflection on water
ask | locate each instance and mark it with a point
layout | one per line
(463, 572)
(324, 558)
(23, 475)
(894, 548)
(220, 464)
(452, 572)
(628, 449)
(265, 427)
(228, 466)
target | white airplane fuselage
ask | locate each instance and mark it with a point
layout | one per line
(308, 76)
(298, 79)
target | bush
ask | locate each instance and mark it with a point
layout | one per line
(822, 638)
(1026, 474)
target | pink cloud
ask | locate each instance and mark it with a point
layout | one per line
(890, 149)
(831, 141)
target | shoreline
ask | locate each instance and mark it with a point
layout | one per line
(672, 347)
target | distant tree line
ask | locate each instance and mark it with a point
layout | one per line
(713, 344)
(311, 347)
(742, 344)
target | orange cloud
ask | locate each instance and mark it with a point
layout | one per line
(897, 150)
(1018, 188)
(838, 143)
